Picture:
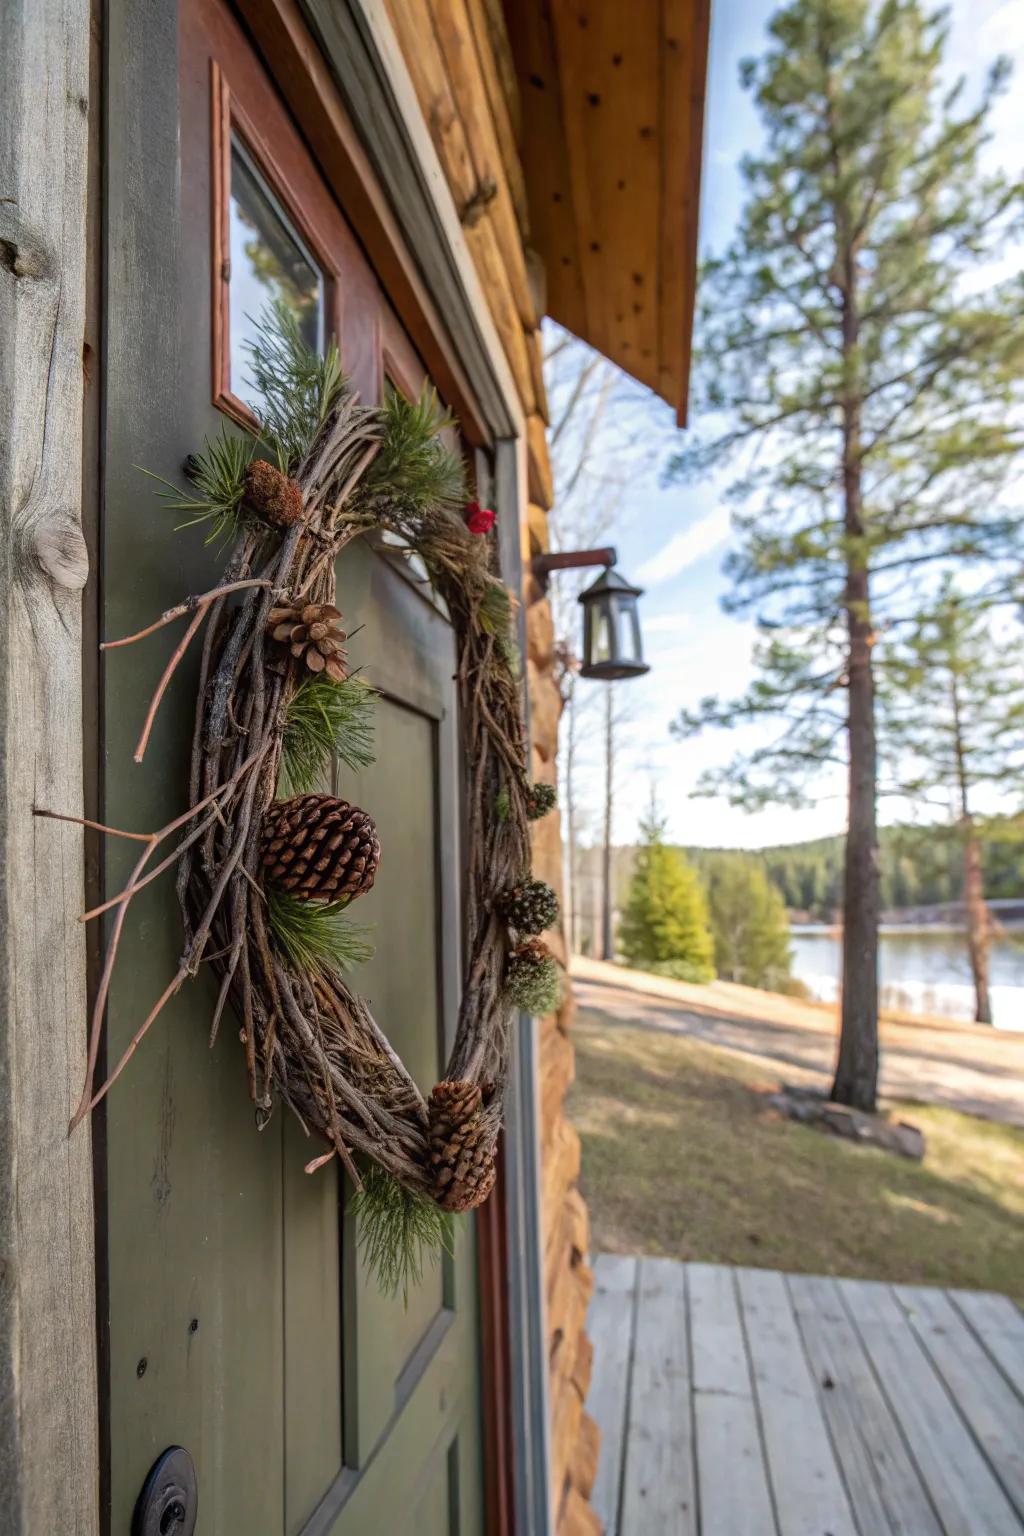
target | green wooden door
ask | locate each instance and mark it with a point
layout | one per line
(238, 1318)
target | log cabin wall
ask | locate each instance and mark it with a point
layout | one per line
(458, 57)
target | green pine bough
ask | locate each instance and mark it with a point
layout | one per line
(327, 719)
(317, 934)
(401, 1232)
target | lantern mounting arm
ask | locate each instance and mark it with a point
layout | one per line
(570, 560)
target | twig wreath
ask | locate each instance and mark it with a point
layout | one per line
(266, 865)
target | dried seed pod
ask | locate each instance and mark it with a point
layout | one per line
(530, 907)
(532, 979)
(271, 495)
(540, 799)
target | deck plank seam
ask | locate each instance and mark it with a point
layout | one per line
(756, 1399)
(893, 1413)
(627, 1396)
(918, 1334)
(691, 1389)
(826, 1420)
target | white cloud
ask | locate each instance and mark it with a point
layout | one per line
(686, 548)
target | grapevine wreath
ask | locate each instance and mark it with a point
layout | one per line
(267, 866)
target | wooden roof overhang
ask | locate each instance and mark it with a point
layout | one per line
(612, 99)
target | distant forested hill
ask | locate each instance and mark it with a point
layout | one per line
(921, 866)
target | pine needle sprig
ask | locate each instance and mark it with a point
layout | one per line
(400, 1231)
(217, 474)
(416, 472)
(316, 935)
(296, 386)
(327, 719)
(495, 617)
(496, 608)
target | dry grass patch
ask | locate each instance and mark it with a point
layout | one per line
(683, 1157)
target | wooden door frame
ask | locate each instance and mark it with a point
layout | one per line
(48, 1425)
(340, 70)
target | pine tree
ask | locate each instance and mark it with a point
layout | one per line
(951, 706)
(665, 923)
(748, 923)
(869, 376)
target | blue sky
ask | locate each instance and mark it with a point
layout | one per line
(672, 541)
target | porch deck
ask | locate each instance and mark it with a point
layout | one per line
(743, 1402)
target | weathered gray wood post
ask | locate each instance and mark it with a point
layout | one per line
(48, 1405)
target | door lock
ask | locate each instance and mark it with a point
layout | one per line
(169, 1500)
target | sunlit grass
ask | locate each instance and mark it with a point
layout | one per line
(682, 1156)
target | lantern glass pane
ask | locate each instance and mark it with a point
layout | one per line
(604, 647)
(627, 628)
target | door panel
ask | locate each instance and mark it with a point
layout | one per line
(242, 1322)
(312, 1328)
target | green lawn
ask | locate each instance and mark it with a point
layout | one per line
(683, 1156)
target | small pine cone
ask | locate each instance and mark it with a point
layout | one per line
(540, 798)
(461, 1145)
(313, 634)
(530, 907)
(271, 495)
(532, 978)
(318, 848)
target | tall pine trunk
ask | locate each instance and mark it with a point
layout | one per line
(978, 932)
(856, 1079)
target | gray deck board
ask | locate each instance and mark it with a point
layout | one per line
(610, 1323)
(732, 1476)
(959, 1479)
(809, 1494)
(750, 1403)
(658, 1482)
(999, 1326)
(885, 1488)
(984, 1398)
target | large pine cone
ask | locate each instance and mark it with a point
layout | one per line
(461, 1146)
(313, 634)
(319, 849)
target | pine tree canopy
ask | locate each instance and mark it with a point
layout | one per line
(858, 365)
(951, 700)
(748, 922)
(665, 923)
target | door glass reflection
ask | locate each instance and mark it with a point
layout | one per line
(268, 262)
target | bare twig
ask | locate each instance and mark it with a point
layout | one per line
(168, 673)
(180, 609)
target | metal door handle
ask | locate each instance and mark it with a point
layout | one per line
(169, 1500)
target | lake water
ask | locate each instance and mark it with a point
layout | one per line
(924, 970)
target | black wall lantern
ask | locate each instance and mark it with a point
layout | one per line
(612, 647)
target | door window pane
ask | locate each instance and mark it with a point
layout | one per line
(268, 262)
